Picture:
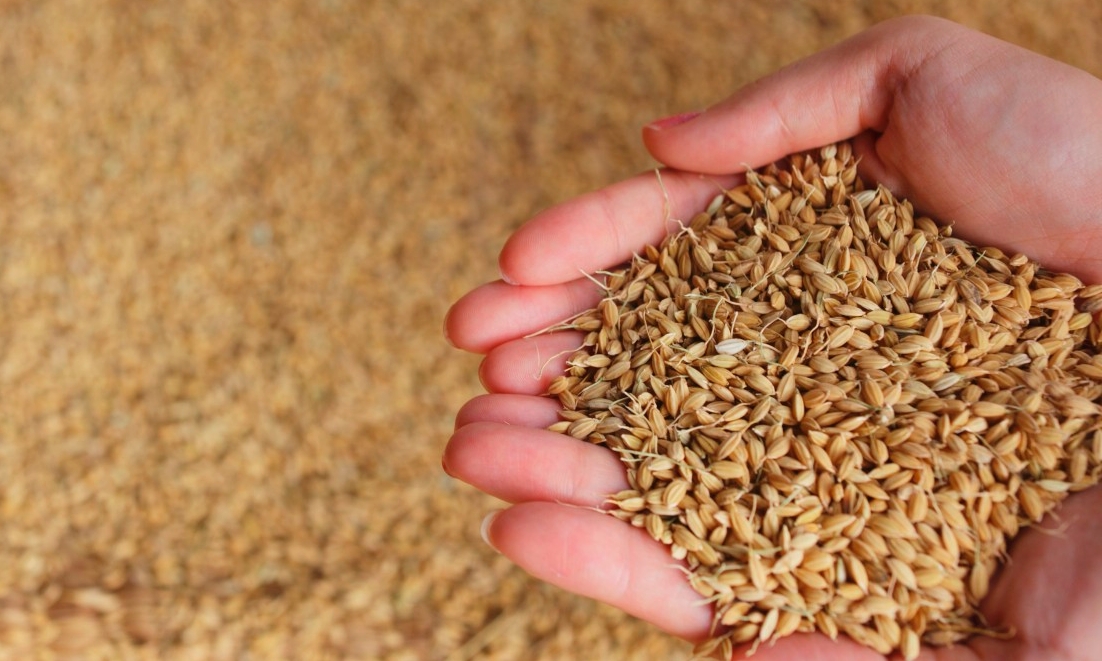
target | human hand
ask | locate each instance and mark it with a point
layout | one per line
(1014, 139)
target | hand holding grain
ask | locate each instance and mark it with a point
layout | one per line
(1016, 143)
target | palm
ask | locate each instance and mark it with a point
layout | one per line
(929, 113)
(1050, 591)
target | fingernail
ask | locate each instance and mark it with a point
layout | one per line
(484, 529)
(482, 375)
(672, 121)
(506, 279)
(447, 336)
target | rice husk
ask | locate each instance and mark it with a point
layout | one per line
(833, 411)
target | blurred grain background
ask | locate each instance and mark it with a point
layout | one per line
(228, 236)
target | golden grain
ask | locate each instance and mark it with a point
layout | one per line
(835, 413)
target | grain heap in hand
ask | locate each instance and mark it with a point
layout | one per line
(836, 413)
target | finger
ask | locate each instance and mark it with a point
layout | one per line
(520, 464)
(506, 409)
(528, 365)
(605, 228)
(830, 96)
(594, 555)
(496, 312)
(597, 556)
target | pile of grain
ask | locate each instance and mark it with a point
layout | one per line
(836, 413)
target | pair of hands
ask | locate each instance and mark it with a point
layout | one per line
(1004, 143)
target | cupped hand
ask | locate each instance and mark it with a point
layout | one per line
(1002, 142)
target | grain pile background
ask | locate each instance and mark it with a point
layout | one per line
(228, 235)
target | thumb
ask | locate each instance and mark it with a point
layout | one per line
(833, 95)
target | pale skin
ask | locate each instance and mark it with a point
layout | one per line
(1001, 141)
